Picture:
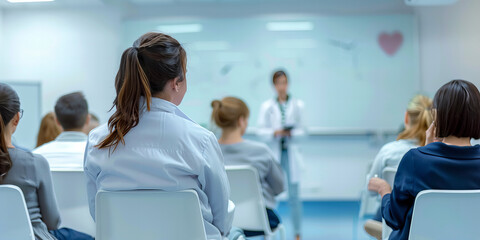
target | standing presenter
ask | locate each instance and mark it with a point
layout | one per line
(280, 125)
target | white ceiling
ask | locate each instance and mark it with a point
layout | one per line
(225, 8)
(56, 3)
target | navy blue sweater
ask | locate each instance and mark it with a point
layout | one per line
(435, 166)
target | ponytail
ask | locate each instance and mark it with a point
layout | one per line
(135, 84)
(5, 161)
(419, 113)
(145, 68)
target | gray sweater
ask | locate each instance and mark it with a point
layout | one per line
(31, 173)
(261, 157)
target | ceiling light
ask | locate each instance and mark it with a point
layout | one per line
(210, 46)
(290, 26)
(29, 1)
(181, 28)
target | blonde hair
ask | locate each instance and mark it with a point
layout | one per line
(49, 129)
(227, 111)
(420, 116)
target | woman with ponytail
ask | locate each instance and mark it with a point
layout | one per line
(31, 173)
(447, 161)
(418, 118)
(149, 143)
(231, 115)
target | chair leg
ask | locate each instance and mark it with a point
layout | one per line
(281, 231)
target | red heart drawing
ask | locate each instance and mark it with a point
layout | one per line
(390, 43)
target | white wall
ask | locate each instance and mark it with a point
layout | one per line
(1, 27)
(449, 44)
(67, 50)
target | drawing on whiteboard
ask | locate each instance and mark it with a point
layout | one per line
(390, 43)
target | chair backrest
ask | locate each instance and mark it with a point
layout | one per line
(446, 214)
(388, 174)
(246, 193)
(149, 215)
(71, 193)
(14, 219)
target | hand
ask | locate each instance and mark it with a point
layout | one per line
(431, 135)
(282, 133)
(379, 185)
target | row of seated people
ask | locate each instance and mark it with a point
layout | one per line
(434, 151)
(169, 158)
(150, 143)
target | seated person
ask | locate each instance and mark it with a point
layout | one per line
(31, 173)
(49, 129)
(231, 115)
(67, 150)
(448, 161)
(149, 143)
(418, 118)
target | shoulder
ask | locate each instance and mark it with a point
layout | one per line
(298, 102)
(257, 148)
(397, 146)
(98, 134)
(268, 103)
(255, 145)
(28, 158)
(44, 148)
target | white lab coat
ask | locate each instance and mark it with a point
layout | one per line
(270, 120)
(165, 151)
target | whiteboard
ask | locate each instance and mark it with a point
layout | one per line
(31, 103)
(339, 68)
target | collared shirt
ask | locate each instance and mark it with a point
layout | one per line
(435, 166)
(65, 152)
(165, 151)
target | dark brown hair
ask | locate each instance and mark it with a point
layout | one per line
(457, 110)
(145, 69)
(9, 106)
(420, 115)
(227, 111)
(72, 111)
(278, 74)
(49, 129)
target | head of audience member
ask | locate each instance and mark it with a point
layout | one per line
(94, 122)
(155, 66)
(49, 129)
(231, 115)
(71, 111)
(456, 110)
(280, 82)
(418, 118)
(10, 117)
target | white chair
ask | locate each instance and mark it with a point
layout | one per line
(369, 202)
(149, 215)
(14, 219)
(446, 214)
(388, 174)
(250, 210)
(70, 188)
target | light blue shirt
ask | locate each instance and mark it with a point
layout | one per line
(165, 151)
(390, 156)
